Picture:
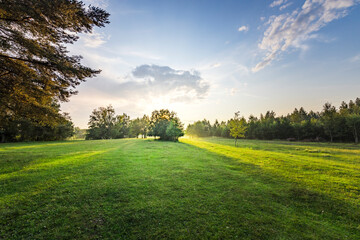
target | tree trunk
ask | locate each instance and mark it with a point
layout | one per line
(356, 135)
(235, 141)
(331, 137)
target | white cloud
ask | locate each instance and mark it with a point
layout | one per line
(292, 30)
(145, 88)
(356, 58)
(243, 29)
(94, 39)
(285, 6)
(162, 80)
(277, 3)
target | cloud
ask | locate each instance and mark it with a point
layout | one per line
(150, 82)
(356, 58)
(285, 6)
(292, 30)
(243, 29)
(216, 65)
(277, 3)
(145, 88)
(163, 80)
(94, 39)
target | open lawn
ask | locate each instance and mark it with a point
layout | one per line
(194, 189)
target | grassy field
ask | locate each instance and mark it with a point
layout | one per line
(195, 189)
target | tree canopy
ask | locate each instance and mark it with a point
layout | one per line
(35, 67)
(104, 124)
(166, 125)
(237, 127)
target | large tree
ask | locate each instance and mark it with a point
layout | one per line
(102, 123)
(165, 124)
(35, 67)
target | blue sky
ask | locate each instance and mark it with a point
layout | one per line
(209, 59)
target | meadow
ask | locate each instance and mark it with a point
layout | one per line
(193, 189)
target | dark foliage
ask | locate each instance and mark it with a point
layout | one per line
(165, 125)
(26, 130)
(35, 68)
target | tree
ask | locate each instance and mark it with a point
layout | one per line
(121, 126)
(237, 127)
(35, 68)
(79, 133)
(160, 121)
(199, 129)
(173, 131)
(102, 123)
(216, 130)
(23, 129)
(144, 123)
(139, 126)
(329, 117)
(353, 121)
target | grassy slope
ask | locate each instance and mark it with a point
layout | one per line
(195, 189)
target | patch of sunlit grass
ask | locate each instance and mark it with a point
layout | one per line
(328, 174)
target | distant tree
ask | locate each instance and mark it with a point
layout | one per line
(216, 130)
(160, 121)
(199, 129)
(79, 133)
(237, 127)
(135, 127)
(102, 123)
(224, 129)
(329, 115)
(174, 131)
(353, 121)
(350, 114)
(121, 126)
(35, 68)
(139, 126)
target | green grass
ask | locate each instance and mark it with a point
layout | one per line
(195, 189)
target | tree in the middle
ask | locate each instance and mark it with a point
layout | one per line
(166, 125)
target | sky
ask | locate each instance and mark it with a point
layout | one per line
(210, 59)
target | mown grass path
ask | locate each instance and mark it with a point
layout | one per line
(195, 189)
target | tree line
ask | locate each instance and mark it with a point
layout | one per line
(331, 124)
(105, 124)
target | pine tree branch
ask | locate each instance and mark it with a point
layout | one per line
(28, 60)
(15, 20)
